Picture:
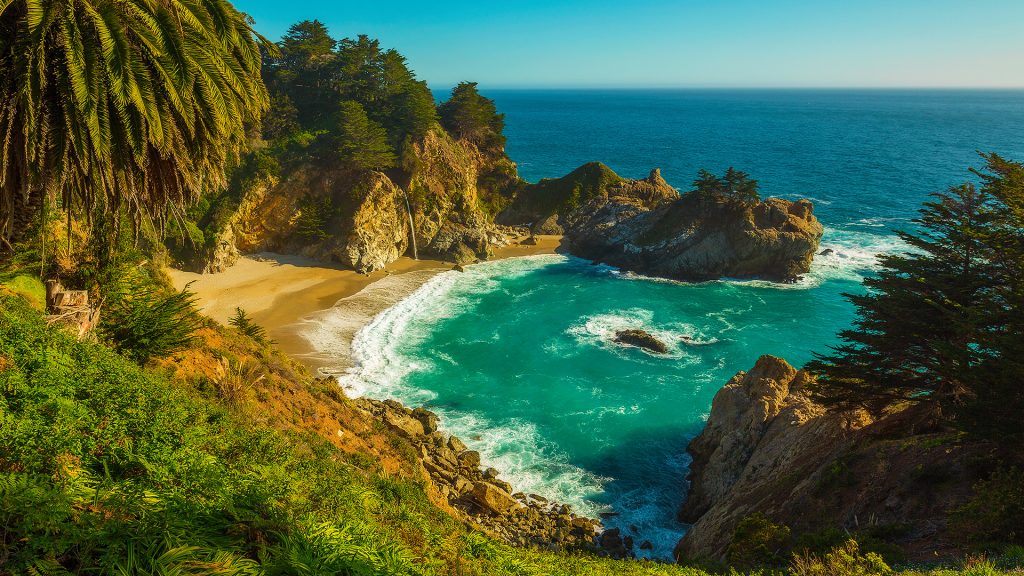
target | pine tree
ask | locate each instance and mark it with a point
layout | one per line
(470, 116)
(998, 401)
(734, 186)
(916, 338)
(303, 71)
(361, 143)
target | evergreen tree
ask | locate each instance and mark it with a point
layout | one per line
(998, 385)
(470, 116)
(361, 143)
(708, 185)
(740, 187)
(940, 324)
(735, 186)
(303, 71)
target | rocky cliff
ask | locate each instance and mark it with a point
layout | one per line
(769, 448)
(646, 226)
(438, 197)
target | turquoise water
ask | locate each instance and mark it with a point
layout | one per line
(516, 355)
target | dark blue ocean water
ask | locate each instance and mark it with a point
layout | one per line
(516, 355)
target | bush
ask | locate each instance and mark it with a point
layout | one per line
(244, 324)
(313, 218)
(845, 560)
(757, 541)
(995, 514)
(147, 321)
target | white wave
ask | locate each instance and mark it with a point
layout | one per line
(381, 370)
(600, 330)
(525, 459)
(378, 366)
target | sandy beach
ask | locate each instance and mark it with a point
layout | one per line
(285, 294)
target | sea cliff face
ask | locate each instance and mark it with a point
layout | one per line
(367, 219)
(647, 227)
(769, 448)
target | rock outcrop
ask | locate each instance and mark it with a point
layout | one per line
(484, 499)
(769, 448)
(647, 227)
(641, 339)
(367, 219)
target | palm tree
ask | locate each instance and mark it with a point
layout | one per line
(126, 106)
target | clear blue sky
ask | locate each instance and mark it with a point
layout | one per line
(695, 43)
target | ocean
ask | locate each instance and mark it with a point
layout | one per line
(516, 357)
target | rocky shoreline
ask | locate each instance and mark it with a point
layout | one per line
(487, 502)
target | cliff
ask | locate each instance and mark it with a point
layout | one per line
(647, 227)
(769, 448)
(439, 196)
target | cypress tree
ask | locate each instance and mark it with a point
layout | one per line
(919, 334)
(361, 143)
(470, 116)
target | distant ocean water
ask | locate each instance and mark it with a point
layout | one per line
(516, 355)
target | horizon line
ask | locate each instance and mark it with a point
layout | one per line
(722, 87)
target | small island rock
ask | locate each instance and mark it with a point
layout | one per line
(641, 339)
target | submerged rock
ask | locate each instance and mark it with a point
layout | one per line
(641, 339)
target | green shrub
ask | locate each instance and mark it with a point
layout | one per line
(757, 541)
(244, 324)
(845, 560)
(144, 321)
(313, 218)
(995, 514)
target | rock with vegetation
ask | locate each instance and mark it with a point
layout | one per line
(478, 494)
(720, 229)
(358, 168)
(894, 481)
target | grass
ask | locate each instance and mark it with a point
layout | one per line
(28, 287)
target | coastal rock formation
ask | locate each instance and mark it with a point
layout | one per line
(367, 219)
(641, 339)
(647, 227)
(769, 448)
(695, 239)
(484, 499)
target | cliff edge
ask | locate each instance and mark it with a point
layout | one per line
(769, 448)
(435, 204)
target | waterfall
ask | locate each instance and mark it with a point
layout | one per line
(412, 225)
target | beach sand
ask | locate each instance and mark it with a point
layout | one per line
(285, 294)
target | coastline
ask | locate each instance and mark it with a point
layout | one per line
(284, 293)
(288, 294)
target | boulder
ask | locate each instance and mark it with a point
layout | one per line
(470, 459)
(427, 418)
(456, 445)
(403, 423)
(493, 499)
(501, 484)
(641, 339)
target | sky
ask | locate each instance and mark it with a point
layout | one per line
(683, 43)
